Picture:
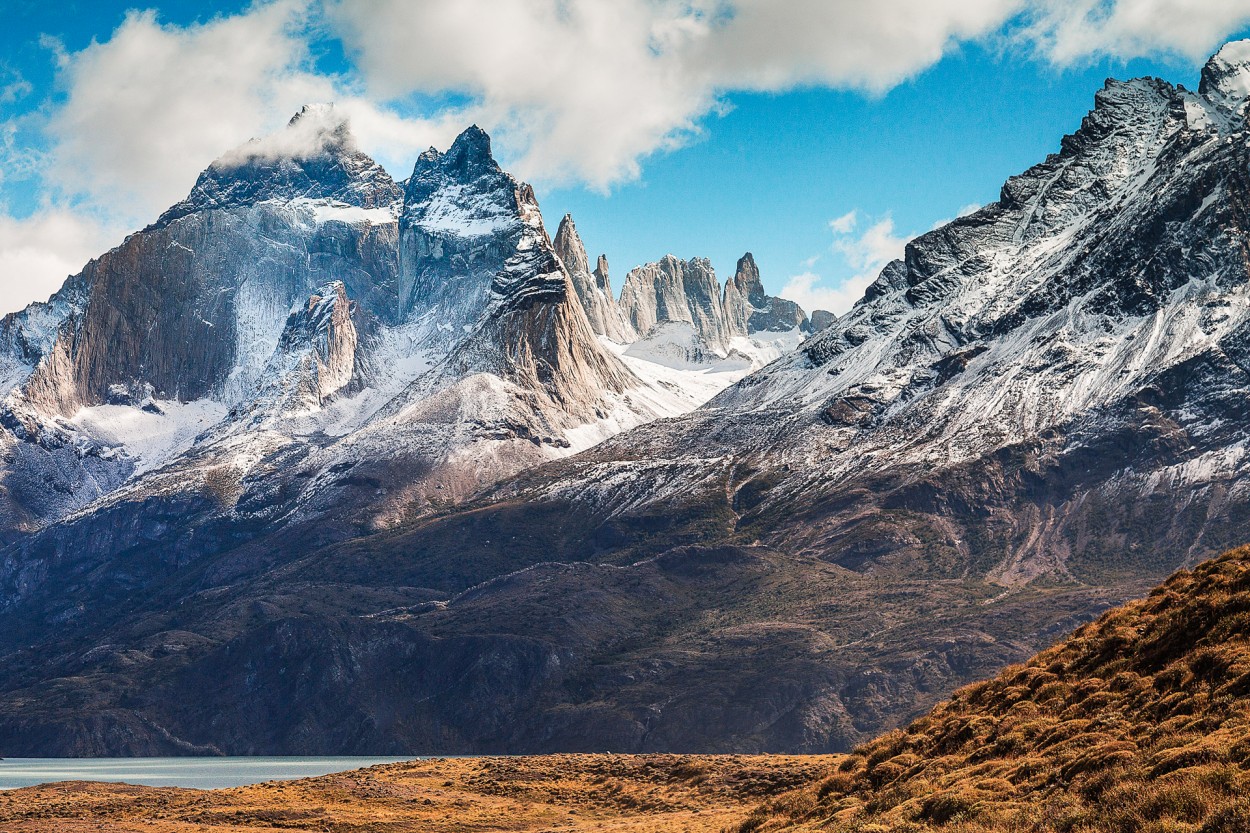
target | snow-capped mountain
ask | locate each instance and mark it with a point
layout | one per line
(299, 301)
(1024, 420)
(1105, 295)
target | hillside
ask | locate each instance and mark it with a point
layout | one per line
(1139, 721)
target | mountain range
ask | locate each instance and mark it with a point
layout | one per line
(321, 462)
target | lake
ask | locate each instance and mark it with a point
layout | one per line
(198, 773)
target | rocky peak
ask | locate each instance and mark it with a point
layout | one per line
(314, 157)
(464, 192)
(602, 279)
(318, 345)
(468, 161)
(463, 217)
(675, 291)
(593, 290)
(570, 248)
(1226, 77)
(822, 319)
(747, 280)
(748, 309)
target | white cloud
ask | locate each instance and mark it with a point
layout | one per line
(573, 90)
(1072, 31)
(863, 256)
(583, 89)
(38, 253)
(808, 291)
(13, 88)
(871, 250)
(153, 105)
(846, 223)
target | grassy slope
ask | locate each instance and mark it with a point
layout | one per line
(568, 793)
(1138, 722)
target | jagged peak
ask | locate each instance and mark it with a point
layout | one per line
(481, 188)
(471, 152)
(316, 130)
(603, 275)
(568, 245)
(1226, 76)
(746, 278)
(472, 139)
(314, 157)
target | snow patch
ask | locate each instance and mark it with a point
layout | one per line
(150, 436)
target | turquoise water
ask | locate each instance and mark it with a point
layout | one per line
(198, 773)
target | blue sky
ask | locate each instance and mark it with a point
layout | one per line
(817, 135)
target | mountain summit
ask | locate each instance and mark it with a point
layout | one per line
(1226, 77)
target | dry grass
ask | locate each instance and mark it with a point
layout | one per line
(634, 793)
(1138, 723)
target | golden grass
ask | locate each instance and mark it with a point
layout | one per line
(571, 793)
(1138, 723)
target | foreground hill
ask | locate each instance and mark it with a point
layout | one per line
(1139, 721)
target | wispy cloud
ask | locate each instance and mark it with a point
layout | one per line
(862, 255)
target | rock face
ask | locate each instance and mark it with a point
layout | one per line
(1226, 80)
(683, 317)
(1038, 412)
(822, 320)
(673, 291)
(749, 310)
(594, 290)
(316, 357)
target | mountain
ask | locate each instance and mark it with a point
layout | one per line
(1135, 722)
(594, 289)
(747, 309)
(682, 314)
(1038, 413)
(300, 302)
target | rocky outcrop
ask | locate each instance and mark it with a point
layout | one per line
(748, 309)
(594, 289)
(1226, 80)
(684, 318)
(316, 358)
(674, 291)
(822, 320)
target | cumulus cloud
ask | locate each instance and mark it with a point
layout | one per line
(573, 90)
(863, 254)
(584, 90)
(39, 252)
